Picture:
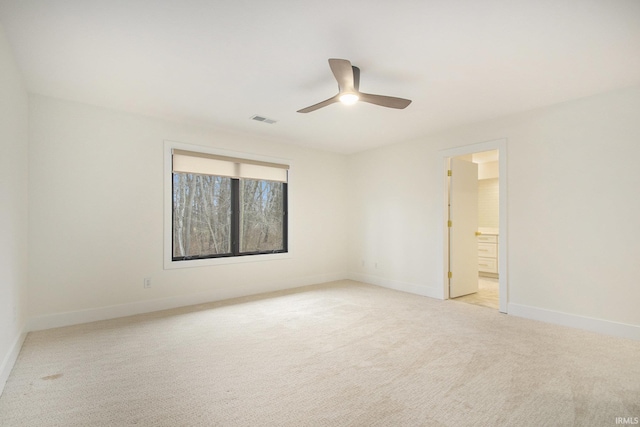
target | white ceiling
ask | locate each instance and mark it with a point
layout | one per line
(220, 62)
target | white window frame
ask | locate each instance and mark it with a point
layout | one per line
(169, 263)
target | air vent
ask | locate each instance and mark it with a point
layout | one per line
(263, 119)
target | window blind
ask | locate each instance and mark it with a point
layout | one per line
(233, 167)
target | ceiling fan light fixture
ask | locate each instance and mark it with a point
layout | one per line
(348, 79)
(349, 98)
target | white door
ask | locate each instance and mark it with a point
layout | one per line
(463, 214)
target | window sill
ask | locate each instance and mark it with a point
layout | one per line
(169, 264)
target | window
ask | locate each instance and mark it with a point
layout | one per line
(226, 206)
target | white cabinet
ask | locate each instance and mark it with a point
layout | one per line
(488, 255)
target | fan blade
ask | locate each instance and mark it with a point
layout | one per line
(343, 72)
(356, 78)
(385, 101)
(320, 105)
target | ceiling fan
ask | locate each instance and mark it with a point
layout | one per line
(348, 78)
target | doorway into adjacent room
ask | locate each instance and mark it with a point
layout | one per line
(475, 225)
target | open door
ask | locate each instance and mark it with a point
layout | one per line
(463, 225)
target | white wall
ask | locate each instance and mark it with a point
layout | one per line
(13, 209)
(574, 234)
(96, 216)
(488, 170)
(392, 200)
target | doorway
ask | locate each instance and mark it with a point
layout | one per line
(474, 230)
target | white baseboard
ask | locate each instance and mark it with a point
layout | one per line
(10, 359)
(57, 320)
(122, 310)
(606, 327)
(397, 285)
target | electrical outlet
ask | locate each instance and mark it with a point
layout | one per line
(147, 282)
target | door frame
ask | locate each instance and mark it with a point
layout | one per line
(445, 155)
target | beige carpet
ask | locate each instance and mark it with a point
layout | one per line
(339, 354)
